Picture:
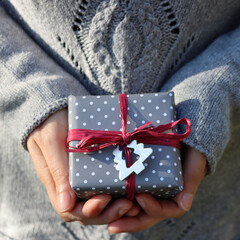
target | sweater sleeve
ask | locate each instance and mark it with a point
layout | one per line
(32, 85)
(207, 91)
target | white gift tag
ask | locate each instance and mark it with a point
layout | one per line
(138, 166)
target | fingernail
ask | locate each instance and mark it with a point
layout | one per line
(186, 202)
(141, 202)
(122, 211)
(102, 203)
(64, 199)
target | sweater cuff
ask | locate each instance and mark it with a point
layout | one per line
(40, 116)
(43, 100)
(208, 110)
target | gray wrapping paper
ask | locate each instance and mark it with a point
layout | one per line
(95, 173)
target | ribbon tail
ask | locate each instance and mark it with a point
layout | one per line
(130, 184)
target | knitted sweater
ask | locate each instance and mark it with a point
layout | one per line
(57, 48)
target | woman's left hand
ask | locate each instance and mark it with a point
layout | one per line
(153, 210)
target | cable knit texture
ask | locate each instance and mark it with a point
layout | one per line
(51, 49)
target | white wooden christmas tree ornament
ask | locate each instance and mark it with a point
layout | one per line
(138, 166)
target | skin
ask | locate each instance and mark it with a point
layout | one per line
(46, 145)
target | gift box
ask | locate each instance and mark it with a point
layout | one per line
(104, 171)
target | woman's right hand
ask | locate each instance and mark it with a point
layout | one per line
(46, 145)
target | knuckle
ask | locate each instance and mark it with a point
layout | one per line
(36, 135)
(60, 175)
(49, 138)
(43, 175)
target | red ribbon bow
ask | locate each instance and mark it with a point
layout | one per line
(94, 140)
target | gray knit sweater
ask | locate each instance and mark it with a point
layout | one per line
(51, 49)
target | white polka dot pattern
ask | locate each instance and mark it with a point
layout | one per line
(95, 173)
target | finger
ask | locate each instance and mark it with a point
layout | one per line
(111, 213)
(134, 211)
(42, 170)
(153, 212)
(132, 224)
(94, 206)
(161, 209)
(58, 166)
(194, 170)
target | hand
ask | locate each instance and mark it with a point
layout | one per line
(46, 145)
(154, 211)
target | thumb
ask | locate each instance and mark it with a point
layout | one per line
(194, 170)
(53, 142)
(65, 196)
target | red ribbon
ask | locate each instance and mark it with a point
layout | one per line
(94, 140)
